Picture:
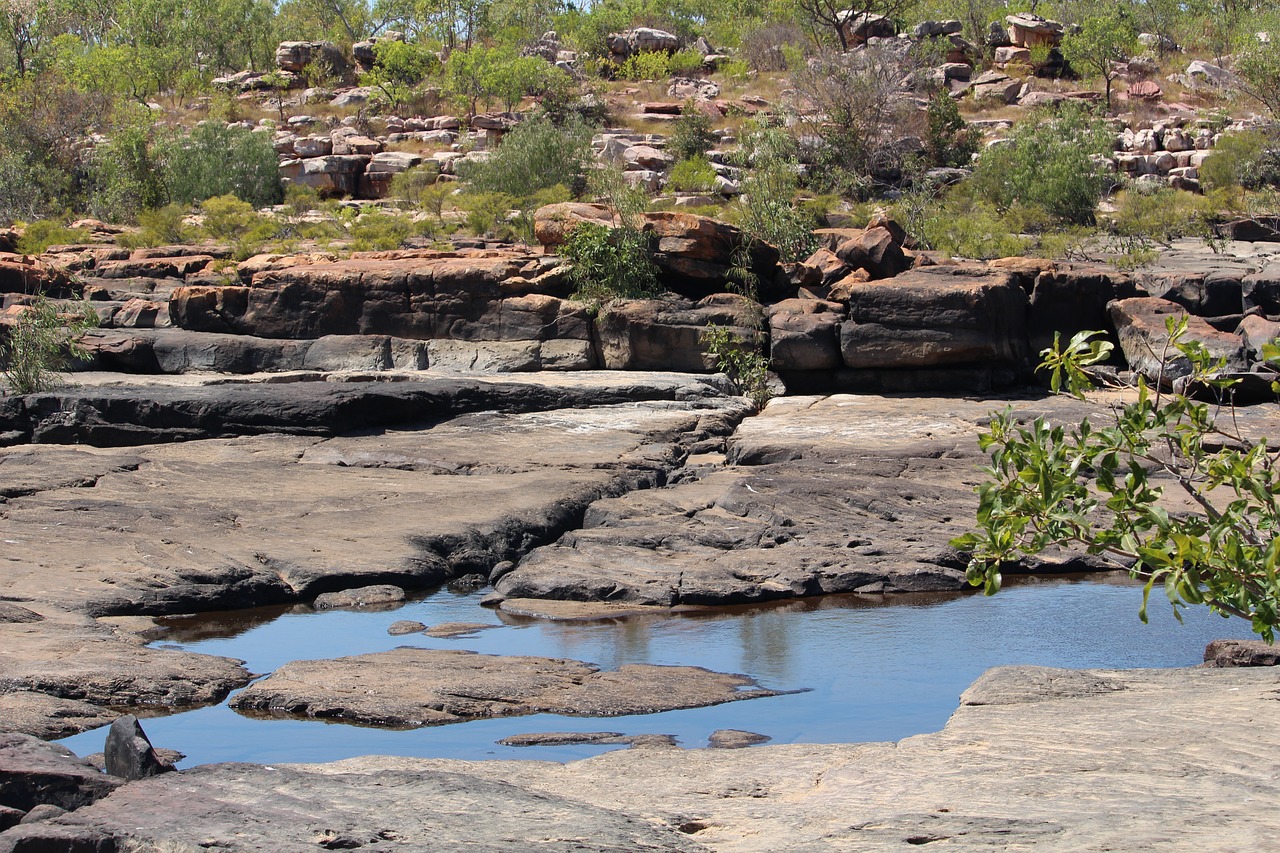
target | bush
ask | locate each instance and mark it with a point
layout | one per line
(649, 65)
(741, 361)
(161, 226)
(763, 48)
(685, 62)
(693, 175)
(962, 228)
(42, 342)
(38, 236)
(610, 263)
(1102, 489)
(691, 134)
(125, 174)
(536, 155)
(1162, 215)
(227, 217)
(1048, 163)
(381, 231)
(768, 212)
(949, 140)
(1249, 159)
(409, 186)
(216, 159)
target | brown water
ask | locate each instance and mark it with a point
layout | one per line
(871, 668)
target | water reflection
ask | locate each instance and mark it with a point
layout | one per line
(873, 667)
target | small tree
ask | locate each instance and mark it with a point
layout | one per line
(398, 67)
(42, 342)
(1259, 67)
(1100, 488)
(1102, 40)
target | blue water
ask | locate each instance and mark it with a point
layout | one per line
(871, 669)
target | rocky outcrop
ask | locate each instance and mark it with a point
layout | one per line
(1034, 757)
(841, 494)
(407, 688)
(1145, 339)
(242, 522)
(34, 773)
(655, 334)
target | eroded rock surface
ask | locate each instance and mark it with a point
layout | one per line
(824, 495)
(1049, 765)
(410, 687)
(230, 523)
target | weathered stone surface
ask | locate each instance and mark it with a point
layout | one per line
(126, 416)
(1256, 332)
(46, 836)
(33, 773)
(24, 274)
(468, 294)
(874, 250)
(302, 808)
(735, 739)
(838, 494)
(649, 334)
(410, 687)
(376, 596)
(456, 630)
(936, 316)
(128, 753)
(1050, 768)
(1144, 338)
(1068, 299)
(295, 56)
(804, 334)
(1234, 653)
(221, 524)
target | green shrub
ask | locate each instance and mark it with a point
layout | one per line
(409, 186)
(963, 228)
(227, 217)
(1047, 164)
(949, 140)
(685, 62)
(38, 236)
(535, 155)
(1162, 215)
(693, 175)
(215, 160)
(649, 65)
(610, 263)
(767, 210)
(125, 173)
(1250, 160)
(375, 231)
(487, 213)
(691, 134)
(741, 361)
(42, 342)
(161, 226)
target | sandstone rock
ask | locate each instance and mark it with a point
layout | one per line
(647, 334)
(379, 596)
(1205, 74)
(128, 753)
(1140, 323)
(694, 254)
(1235, 653)
(1028, 30)
(552, 223)
(804, 335)
(405, 626)
(735, 739)
(860, 27)
(1071, 298)
(410, 687)
(321, 807)
(295, 56)
(875, 250)
(1256, 332)
(994, 86)
(642, 40)
(34, 773)
(935, 316)
(457, 630)
(24, 274)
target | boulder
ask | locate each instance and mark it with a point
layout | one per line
(936, 316)
(295, 56)
(875, 250)
(1144, 339)
(666, 334)
(25, 274)
(861, 27)
(1261, 290)
(378, 596)
(1201, 74)
(1256, 332)
(34, 773)
(1070, 298)
(553, 223)
(804, 334)
(1027, 30)
(994, 86)
(128, 753)
(1233, 653)
(642, 40)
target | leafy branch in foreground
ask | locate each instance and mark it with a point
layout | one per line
(1105, 489)
(42, 342)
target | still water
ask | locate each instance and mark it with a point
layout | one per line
(870, 668)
